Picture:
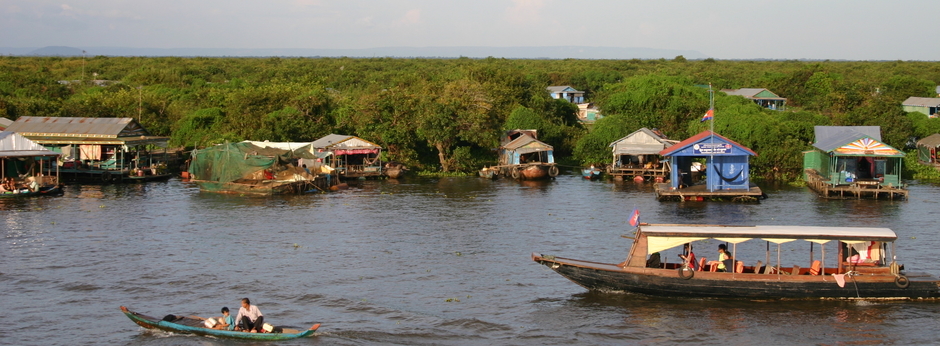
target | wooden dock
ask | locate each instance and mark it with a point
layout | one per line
(858, 190)
(627, 172)
(664, 192)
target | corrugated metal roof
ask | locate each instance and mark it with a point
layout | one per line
(922, 102)
(77, 127)
(641, 142)
(14, 145)
(335, 141)
(829, 138)
(4, 122)
(695, 139)
(932, 141)
(560, 88)
(525, 144)
(753, 93)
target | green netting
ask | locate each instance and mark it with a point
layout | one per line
(233, 161)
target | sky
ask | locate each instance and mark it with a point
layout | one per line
(721, 29)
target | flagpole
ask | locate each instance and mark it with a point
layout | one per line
(711, 108)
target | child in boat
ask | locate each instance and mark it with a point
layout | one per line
(226, 322)
(723, 255)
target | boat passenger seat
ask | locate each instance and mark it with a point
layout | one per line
(757, 267)
(814, 269)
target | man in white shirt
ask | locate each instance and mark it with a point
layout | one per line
(249, 318)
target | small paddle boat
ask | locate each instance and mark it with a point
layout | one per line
(196, 325)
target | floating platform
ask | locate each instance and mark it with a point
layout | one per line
(630, 173)
(665, 192)
(872, 189)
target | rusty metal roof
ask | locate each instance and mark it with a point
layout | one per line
(77, 127)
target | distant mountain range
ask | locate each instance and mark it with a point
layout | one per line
(560, 52)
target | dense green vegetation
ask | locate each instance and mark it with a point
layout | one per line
(448, 114)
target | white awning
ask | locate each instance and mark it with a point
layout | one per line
(657, 244)
(772, 232)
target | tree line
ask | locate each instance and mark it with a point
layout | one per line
(448, 114)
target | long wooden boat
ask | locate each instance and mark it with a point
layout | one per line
(395, 170)
(871, 274)
(489, 173)
(195, 325)
(530, 171)
(257, 187)
(146, 178)
(50, 190)
(591, 173)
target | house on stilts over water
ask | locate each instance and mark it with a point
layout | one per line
(852, 162)
(636, 156)
(100, 150)
(523, 157)
(726, 168)
(352, 157)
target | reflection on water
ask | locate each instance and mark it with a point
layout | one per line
(419, 261)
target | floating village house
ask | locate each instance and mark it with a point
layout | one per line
(565, 92)
(851, 161)
(256, 168)
(21, 158)
(350, 156)
(727, 170)
(927, 149)
(96, 149)
(926, 105)
(636, 156)
(523, 156)
(763, 97)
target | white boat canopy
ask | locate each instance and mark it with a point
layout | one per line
(662, 237)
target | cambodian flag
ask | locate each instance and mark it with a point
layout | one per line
(709, 115)
(635, 217)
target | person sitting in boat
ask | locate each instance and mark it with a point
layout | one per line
(249, 318)
(723, 256)
(31, 184)
(688, 257)
(226, 322)
(9, 184)
(654, 261)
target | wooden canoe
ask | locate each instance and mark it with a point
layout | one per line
(195, 325)
(53, 190)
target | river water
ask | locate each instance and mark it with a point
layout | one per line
(418, 262)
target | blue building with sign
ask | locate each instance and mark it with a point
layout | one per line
(726, 169)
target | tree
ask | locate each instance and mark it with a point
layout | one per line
(458, 112)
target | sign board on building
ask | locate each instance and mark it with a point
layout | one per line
(711, 148)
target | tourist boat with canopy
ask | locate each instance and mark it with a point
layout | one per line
(197, 325)
(866, 265)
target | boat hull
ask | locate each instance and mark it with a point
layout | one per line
(43, 191)
(591, 174)
(189, 325)
(488, 174)
(531, 171)
(605, 277)
(260, 188)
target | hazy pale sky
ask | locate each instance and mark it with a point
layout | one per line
(722, 29)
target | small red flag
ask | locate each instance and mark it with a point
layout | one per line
(635, 218)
